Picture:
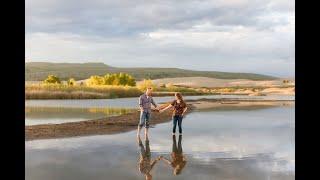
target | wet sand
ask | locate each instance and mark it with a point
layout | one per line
(128, 122)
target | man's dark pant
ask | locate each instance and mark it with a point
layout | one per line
(177, 119)
(144, 119)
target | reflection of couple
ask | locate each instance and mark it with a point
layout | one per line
(178, 160)
(145, 101)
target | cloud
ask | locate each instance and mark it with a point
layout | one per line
(233, 35)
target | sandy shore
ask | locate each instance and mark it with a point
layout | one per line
(128, 122)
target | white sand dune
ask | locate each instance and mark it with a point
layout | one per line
(213, 82)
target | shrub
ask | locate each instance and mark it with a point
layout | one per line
(146, 84)
(120, 79)
(71, 82)
(51, 79)
(94, 80)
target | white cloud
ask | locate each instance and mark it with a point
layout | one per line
(237, 35)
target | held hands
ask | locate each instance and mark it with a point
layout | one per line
(161, 110)
(158, 110)
(155, 109)
(159, 158)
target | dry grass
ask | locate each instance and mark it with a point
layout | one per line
(41, 91)
(79, 92)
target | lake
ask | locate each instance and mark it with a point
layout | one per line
(58, 115)
(133, 102)
(246, 144)
(62, 111)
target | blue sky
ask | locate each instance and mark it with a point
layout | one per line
(222, 35)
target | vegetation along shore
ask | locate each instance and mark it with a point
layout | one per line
(123, 85)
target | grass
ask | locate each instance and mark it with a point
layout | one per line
(61, 91)
(79, 92)
(39, 112)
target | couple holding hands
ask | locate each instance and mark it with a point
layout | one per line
(145, 102)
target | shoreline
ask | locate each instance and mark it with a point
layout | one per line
(129, 122)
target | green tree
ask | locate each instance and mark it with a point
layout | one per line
(51, 79)
(146, 84)
(123, 78)
(131, 81)
(120, 79)
(116, 81)
(95, 80)
(108, 79)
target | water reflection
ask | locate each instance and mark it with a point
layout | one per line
(132, 102)
(145, 162)
(243, 145)
(56, 115)
(178, 160)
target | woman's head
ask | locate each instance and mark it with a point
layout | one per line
(177, 170)
(178, 96)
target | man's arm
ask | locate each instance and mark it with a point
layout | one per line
(140, 103)
(154, 162)
(153, 103)
(164, 109)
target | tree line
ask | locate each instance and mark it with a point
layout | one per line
(117, 79)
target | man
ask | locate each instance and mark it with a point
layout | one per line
(145, 101)
(145, 162)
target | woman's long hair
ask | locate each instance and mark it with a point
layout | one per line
(179, 96)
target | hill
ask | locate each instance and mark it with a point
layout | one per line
(36, 71)
(198, 82)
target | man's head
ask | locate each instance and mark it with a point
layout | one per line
(148, 176)
(149, 91)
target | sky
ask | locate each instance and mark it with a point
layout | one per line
(256, 36)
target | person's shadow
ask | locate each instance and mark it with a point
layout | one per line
(145, 163)
(178, 160)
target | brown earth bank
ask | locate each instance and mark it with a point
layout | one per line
(128, 122)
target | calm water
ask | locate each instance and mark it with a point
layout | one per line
(57, 115)
(225, 144)
(131, 102)
(62, 111)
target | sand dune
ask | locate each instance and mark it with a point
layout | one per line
(213, 82)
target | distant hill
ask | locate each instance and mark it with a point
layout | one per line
(36, 71)
(198, 82)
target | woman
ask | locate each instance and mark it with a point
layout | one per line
(179, 108)
(178, 161)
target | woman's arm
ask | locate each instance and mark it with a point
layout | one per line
(169, 106)
(184, 110)
(166, 160)
(184, 158)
